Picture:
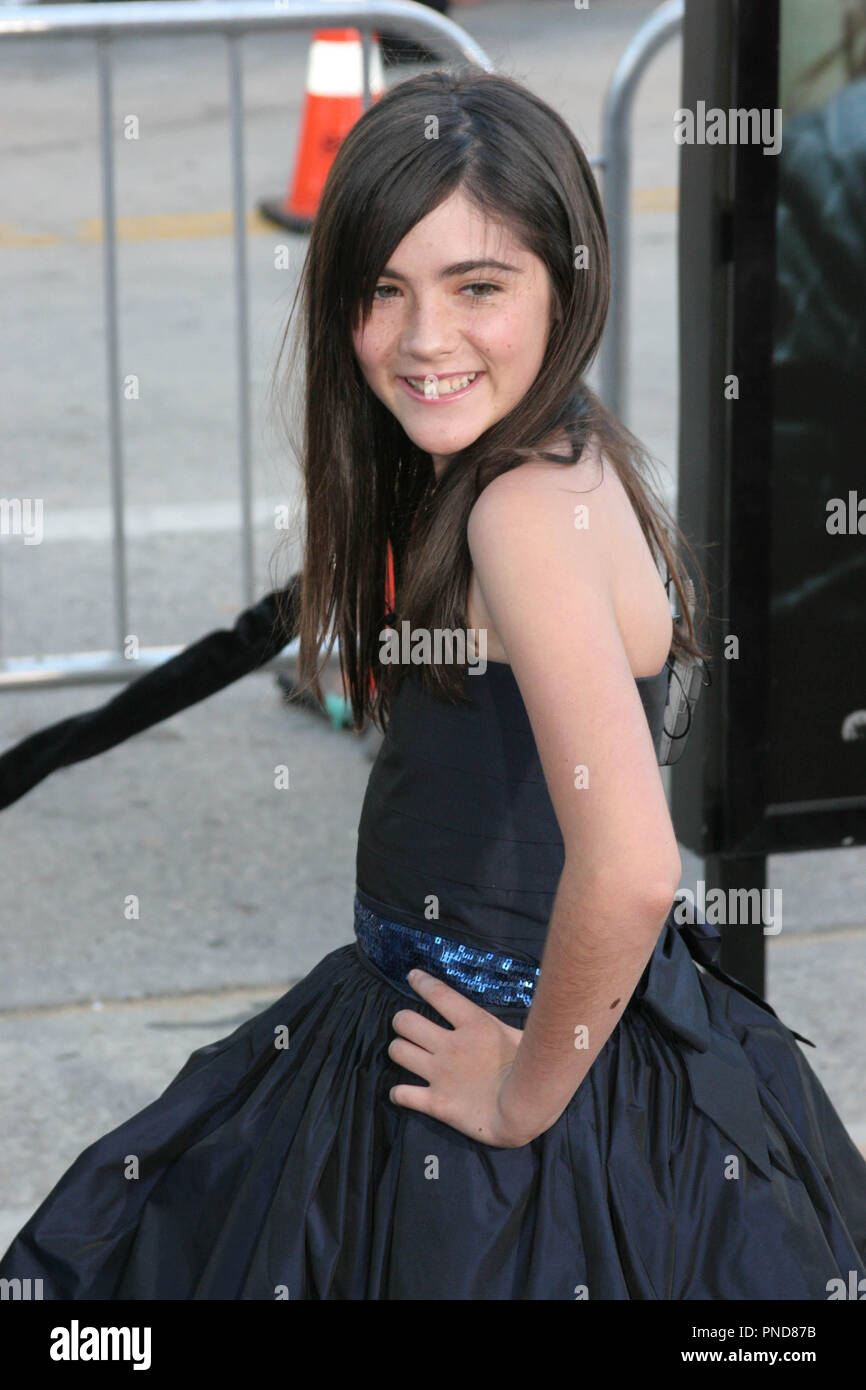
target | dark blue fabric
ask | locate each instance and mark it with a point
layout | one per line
(699, 1159)
(457, 808)
(489, 978)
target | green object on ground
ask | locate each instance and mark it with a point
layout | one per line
(339, 709)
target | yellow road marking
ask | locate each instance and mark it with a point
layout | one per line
(10, 235)
(174, 226)
(195, 226)
(655, 199)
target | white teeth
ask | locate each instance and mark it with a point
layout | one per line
(433, 387)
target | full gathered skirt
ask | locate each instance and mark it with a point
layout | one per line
(700, 1159)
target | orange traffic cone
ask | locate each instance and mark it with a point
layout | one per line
(331, 107)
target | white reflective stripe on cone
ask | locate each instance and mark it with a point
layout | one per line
(335, 68)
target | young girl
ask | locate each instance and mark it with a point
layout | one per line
(402, 1124)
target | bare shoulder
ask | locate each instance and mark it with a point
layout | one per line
(589, 489)
(583, 510)
(571, 596)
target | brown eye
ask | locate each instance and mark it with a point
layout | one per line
(482, 285)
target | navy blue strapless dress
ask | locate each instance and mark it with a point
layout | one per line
(700, 1159)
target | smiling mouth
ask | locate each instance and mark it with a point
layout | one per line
(432, 387)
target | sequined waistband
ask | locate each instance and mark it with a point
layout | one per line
(489, 977)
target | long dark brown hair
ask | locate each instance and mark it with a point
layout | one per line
(367, 486)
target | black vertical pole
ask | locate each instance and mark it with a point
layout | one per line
(742, 943)
(727, 212)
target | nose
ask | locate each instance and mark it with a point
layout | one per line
(429, 330)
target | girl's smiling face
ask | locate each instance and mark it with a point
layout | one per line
(459, 296)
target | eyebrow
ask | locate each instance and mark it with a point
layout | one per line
(459, 268)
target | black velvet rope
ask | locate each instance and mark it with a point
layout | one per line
(201, 669)
(206, 666)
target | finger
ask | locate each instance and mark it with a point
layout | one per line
(418, 1029)
(413, 1058)
(448, 1002)
(411, 1097)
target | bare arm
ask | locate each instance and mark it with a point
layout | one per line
(593, 958)
(549, 589)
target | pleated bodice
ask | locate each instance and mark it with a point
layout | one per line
(457, 811)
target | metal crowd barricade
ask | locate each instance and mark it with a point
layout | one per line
(664, 24)
(234, 18)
